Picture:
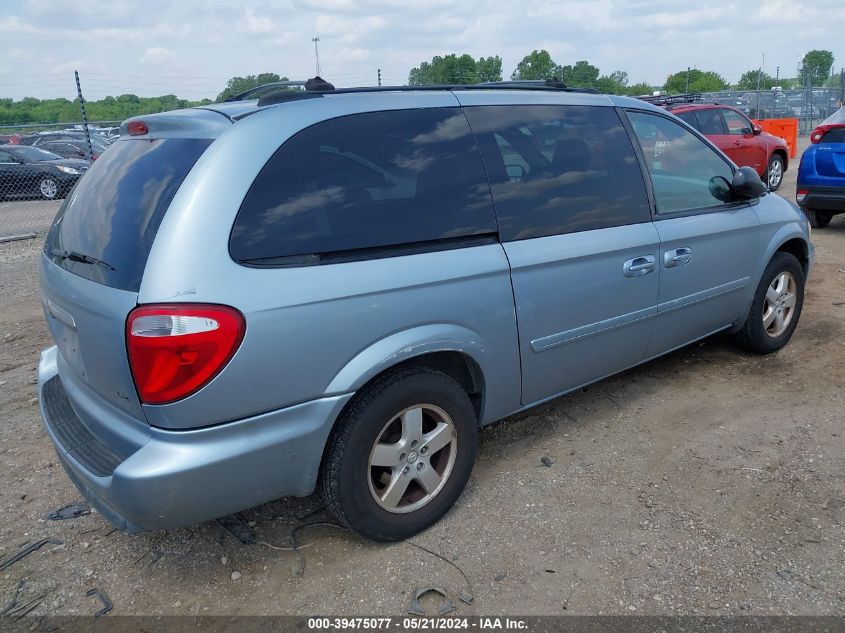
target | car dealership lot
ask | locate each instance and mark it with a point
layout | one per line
(708, 481)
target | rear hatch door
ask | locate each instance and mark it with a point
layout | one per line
(94, 259)
(830, 154)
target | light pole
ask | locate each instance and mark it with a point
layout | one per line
(316, 53)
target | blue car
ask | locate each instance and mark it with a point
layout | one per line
(821, 175)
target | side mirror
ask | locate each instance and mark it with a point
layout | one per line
(747, 184)
(757, 129)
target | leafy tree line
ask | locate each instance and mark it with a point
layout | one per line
(448, 69)
(31, 110)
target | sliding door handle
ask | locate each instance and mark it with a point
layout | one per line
(638, 266)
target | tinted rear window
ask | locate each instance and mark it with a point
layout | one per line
(559, 169)
(114, 212)
(366, 181)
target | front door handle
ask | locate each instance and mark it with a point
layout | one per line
(677, 257)
(638, 266)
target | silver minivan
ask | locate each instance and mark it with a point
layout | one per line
(334, 289)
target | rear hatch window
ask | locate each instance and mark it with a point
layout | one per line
(106, 227)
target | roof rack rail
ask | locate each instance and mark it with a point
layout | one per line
(271, 93)
(317, 84)
(666, 100)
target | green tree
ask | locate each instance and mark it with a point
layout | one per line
(749, 79)
(615, 83)
(816, 67)
(32, 110)
(640, 89)
(454, 69)
(537, 65)
(582, 75)
(489, 68)
(699, 81)
(237, 85)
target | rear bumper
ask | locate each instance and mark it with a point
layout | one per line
(823, 198)
(177, 478)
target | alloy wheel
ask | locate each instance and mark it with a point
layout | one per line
(48, 188)
(775, 174)
(412, 458)
(779, 305)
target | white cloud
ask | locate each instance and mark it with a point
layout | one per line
(156, 56)
(252, 23)
(192, 47)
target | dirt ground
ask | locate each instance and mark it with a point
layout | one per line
(709, 481)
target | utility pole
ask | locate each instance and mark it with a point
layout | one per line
(777, 76)
(841, 87)
(316, 53)
(84, 116)
(686, 90)
(379, 76)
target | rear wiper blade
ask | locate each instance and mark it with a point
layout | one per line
(80, 257)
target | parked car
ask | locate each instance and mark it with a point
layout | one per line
(768, 105)
(71, 149)
(350, 318)
(742, 140)
(41, 138)
(821, 174)
(31, 171)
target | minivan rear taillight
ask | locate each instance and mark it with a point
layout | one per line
(175, 350)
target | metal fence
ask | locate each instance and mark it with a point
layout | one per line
(810, 106)
(39, 164)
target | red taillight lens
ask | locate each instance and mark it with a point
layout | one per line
(175, 350)
(136, 128)
(800, 195)
(817, 135)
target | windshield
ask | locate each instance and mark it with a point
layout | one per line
(836, 117)
(31, 154)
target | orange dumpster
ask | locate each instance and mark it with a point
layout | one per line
(787, 129)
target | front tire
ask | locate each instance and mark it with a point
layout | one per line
(401, 454)
(776, 307)
(818, 219)
(48, 187)
(774, 174)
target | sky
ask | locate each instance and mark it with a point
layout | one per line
(191, 47)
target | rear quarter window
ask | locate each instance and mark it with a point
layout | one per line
(364, 182)
(106, 226)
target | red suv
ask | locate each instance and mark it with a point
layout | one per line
(743, 141)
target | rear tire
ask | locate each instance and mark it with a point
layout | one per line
(776, 307)
(818, 219)
(774, 173)
(358, 469)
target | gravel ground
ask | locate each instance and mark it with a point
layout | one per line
(709, 481)
(27, 216)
